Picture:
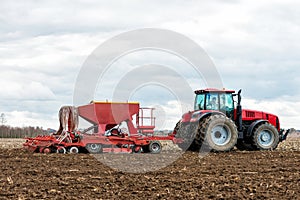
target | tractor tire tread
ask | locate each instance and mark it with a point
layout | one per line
(271, 128)
(204, 127)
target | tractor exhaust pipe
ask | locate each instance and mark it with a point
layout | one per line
(239, 112)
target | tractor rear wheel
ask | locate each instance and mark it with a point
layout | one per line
(265, 137)
(94, 148)
(194, 140)
(218, 133)
(186, 132)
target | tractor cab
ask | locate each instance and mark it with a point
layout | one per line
(213, 99)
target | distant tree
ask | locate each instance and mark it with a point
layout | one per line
(2, 119)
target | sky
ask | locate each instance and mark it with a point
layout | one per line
(255, 46)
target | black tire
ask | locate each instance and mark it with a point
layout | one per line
(179, 129)
(186, 131)
(194, 141)
(182, 130)
(94, 148)
(218, 133)
(155, 147)
(265, 137)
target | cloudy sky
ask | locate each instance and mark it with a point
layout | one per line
(255, 45)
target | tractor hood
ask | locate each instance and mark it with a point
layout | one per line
(254, 114)
(251, 115)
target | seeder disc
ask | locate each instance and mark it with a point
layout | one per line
(46, 150)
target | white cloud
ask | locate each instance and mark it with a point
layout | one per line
(26, 118)
(168, 114)
(25, 91)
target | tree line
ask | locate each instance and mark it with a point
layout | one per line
(17, 132)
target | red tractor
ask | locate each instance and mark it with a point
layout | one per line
(216, 123)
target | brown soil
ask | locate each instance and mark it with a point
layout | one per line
(233, 175)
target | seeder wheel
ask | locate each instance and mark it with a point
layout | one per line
(155, 147)
(61, 150)
(74, 150)
(94, 148)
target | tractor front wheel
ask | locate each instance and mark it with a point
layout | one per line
(266, 137)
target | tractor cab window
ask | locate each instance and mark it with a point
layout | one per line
(212, 101)
(199, 102)
(226, 102)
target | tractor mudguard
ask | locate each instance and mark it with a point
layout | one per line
(253, 125)
(197, 116)
(186, 117)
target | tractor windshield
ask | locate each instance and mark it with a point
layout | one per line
(214, 101)
(226, 102)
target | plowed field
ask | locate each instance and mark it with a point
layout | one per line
(232, 175)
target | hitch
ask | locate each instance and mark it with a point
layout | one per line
(283, 134)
